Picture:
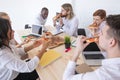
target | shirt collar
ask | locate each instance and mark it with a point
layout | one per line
(111, 61)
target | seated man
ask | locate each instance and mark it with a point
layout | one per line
(42, 17)
(109, 41)
(67, 21)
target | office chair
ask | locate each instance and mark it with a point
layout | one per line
(81, 31)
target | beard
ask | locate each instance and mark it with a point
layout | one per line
(63, 15)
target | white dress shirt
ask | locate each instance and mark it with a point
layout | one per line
(39, 20)
(11, 64)
(101, 26)
(110, 70)
(70, 26)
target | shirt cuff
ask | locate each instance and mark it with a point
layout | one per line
(36, 59)
(71, 64)
(23, 50)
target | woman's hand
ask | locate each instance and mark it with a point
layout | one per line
(61, 21)
(37, 42)
(45, 44)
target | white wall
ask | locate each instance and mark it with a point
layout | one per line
(23, 11)
(85, 8)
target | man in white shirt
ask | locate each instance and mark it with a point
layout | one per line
(42, 17)
(67, 20)
(109, 41)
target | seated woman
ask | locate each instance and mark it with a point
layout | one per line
(11, 65)
(99, 17)
(16, 40)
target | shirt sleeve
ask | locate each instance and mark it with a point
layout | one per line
(58, 27)
(69, 73)
(21, 51)
(74, 26)
(14, 63)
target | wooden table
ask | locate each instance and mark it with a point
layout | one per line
(55, 70)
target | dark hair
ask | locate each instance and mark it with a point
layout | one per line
(101, 13)
(4, 27)
(44, 8)
(113, 21)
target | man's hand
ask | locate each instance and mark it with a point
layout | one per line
(81, 44)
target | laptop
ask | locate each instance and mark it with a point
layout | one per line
(80, 31)
(92, 55)
(36, 30)
(56, 32)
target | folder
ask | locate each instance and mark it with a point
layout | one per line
(83, 68)
(49, 57)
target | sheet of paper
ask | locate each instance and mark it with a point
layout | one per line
(49, 57)
(83, 68)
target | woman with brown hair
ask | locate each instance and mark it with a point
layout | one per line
(99, 17)
(12, 67)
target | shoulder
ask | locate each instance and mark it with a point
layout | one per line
(102, 24)
(38, 16)
(75, 18)
(4, 51)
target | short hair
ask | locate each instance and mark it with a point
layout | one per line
(101, 13)
(113, 21)
(68, 7)
(44, 8)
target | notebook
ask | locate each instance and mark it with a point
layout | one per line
(83, 68)
(36, 30)
(92, 55)
(49, 57)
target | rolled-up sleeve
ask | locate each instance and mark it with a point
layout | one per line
(19, 65)
(21, 51)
